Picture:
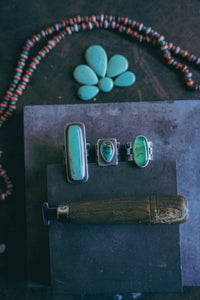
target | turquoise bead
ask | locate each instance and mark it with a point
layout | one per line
(87, 92)
(76, 159)
(141, 151)
(96, 58)
(106, 84)
(117, 65)
(126, 79)
(107, 151)
(85, 75)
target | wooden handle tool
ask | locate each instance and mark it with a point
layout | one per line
(130, 210)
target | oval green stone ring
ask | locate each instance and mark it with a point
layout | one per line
(140, 151)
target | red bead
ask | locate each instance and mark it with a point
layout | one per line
(188, 75)
(89, 24)
(2, 118)
(13, 85)
(6, 99)
(62, 34)
(177, 49)
(86, 19)
(17, 78)
(125, 21)
(78, 19)
(128, 30)
(154, 34)
(3, 105)
(121, 28)
(22, 86)
(171, 60)
(46, 49)
(83, 26)
(56, 26)
(9, 185)
(164, 47)
(9, 93)
(51, 43)
(110, 18)
(15, 99)
(196, 87)
(75, 27)
(198, 60)
(3, 196)
(12, 106)
(25, 79)
(105, 24)
(56, 39)
(36, 38)
(18, 70)
(166, 55)
(147, 39)
(24, 56)
(68, 30)
(36, 61)
(118, 19)
(3, 172)
(21, 63)
(93, 18)
(41, 54)
(161, 38)
(148, 30)
(189, 83)
(154, 42)
(49, 30)
(184, 68)
(63, 23)
(96, 24)
(113, 24)
(43, 33)
(8, 113)
(133, 23)
(8, 193)
(140, 38)
(31, 44)
(134, 34)
(18, 92)
(185, 53)
(170, 45)
(177, 65)
(191, 57)
(140, 27)
(25, 48)
(29, 73)
(7, 179)
(71, 22)
(101, 17)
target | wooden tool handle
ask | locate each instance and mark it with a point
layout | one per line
(130, 210)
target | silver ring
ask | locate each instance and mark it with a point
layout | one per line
(140, 151)
(107, 152)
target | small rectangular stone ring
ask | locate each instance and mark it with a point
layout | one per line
(76, 152)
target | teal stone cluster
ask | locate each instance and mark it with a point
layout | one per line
(101, 74)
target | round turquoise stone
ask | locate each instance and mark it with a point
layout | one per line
(141, 151)
(107, 150)
(106, 84)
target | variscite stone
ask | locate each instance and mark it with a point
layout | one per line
(106, 84)
(87, 92)
(85, 75)
(76, 153)
(96, 58)
(117, 65)
(141, 151)
(126, 79)
(107, 151)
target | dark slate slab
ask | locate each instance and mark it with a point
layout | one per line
(172, 126)
(88, 259)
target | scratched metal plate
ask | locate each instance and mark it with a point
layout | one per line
(172, 126)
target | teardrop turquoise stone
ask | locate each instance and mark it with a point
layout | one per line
(107, 151)
(117, 65)
(106, 84)
(87, 92)
(141, 152)
(125, 79)
(96, 58)
(85, 75)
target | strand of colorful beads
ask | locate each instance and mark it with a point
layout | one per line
(135, 30)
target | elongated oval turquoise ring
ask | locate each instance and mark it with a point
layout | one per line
(140, 151)
(76, 152)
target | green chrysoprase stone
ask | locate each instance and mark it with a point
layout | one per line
(87, 92)
(107, 151)
(106, 84)
(76, 158)
(141, 151)
(85, 75)
(96, 58)
(117, 65)
(126, 79)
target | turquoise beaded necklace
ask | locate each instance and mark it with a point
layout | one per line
(135, 30)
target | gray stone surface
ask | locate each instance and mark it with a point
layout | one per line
(172, 126)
